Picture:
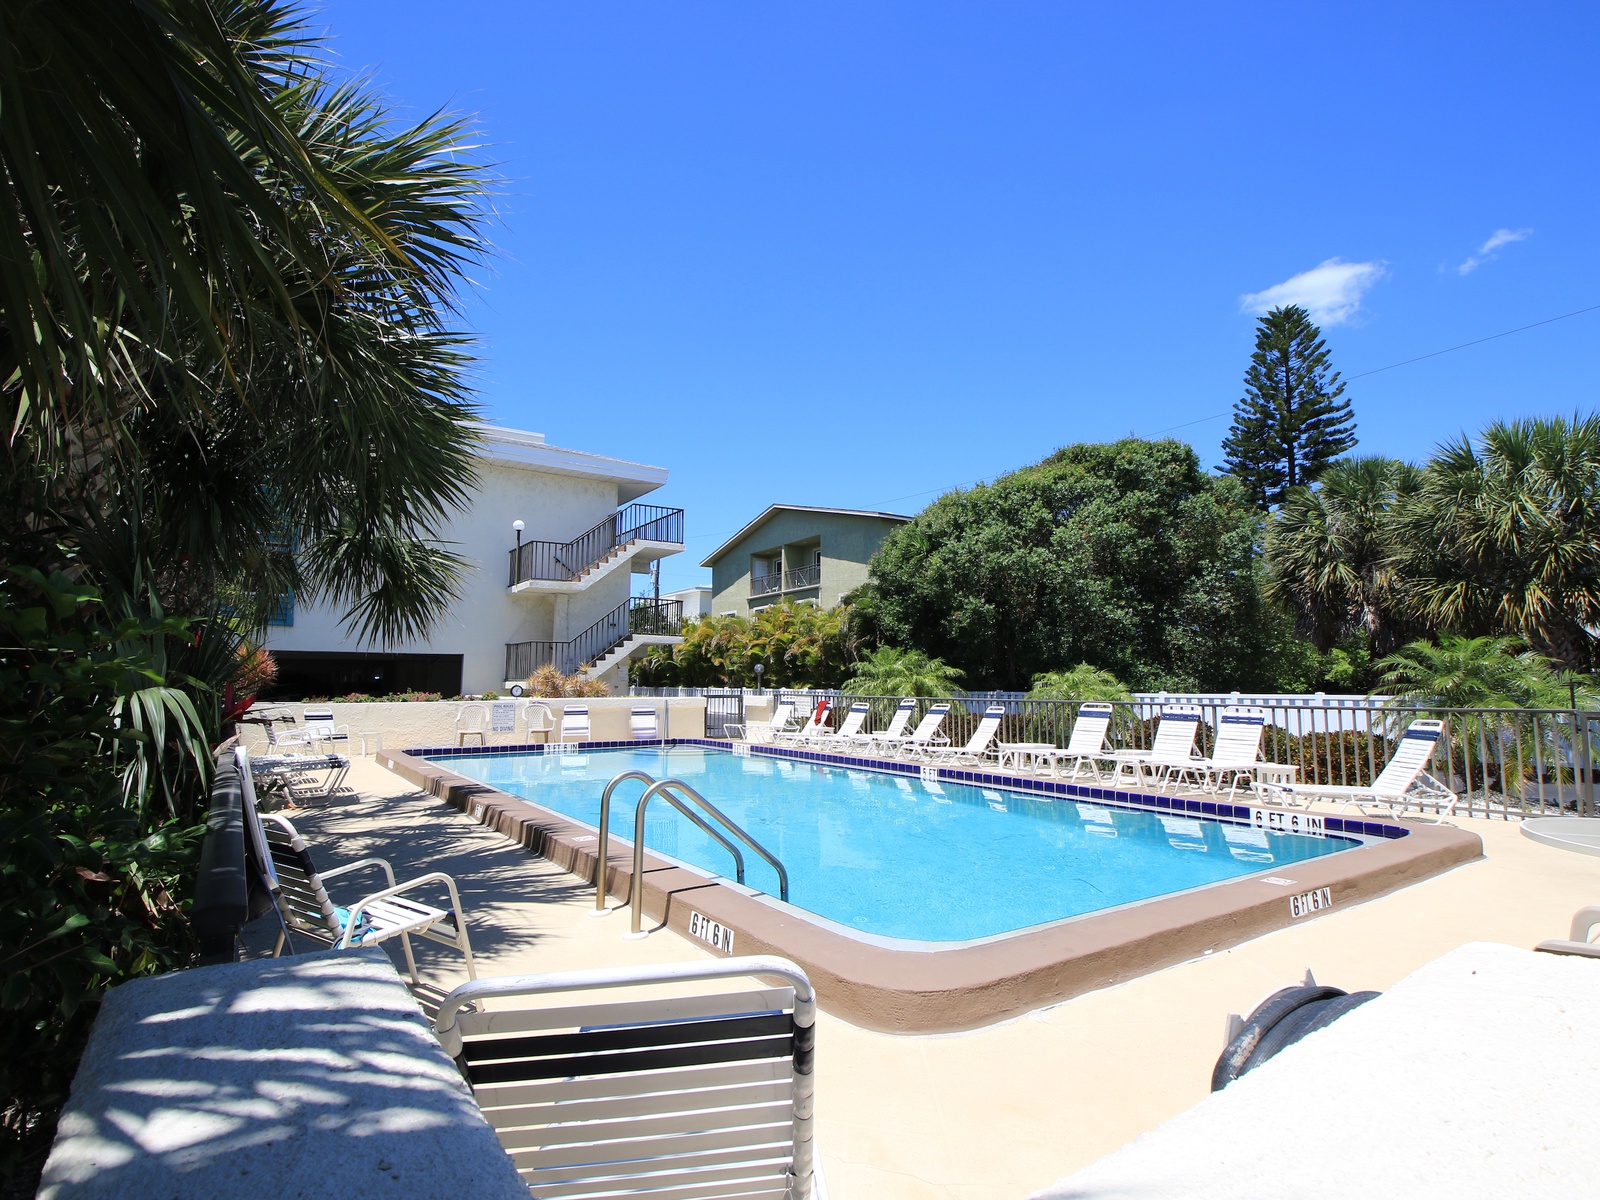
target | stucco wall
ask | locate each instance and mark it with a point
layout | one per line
(406, 725)
(848, 542)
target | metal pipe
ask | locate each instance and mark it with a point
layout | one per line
(660, 787)
(601, 848)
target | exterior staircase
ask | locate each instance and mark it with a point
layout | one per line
(626, 629)
(597, 552)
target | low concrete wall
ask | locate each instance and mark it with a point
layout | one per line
(309, 1076)
(407, 725)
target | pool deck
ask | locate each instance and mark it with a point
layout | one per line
(998, 1112)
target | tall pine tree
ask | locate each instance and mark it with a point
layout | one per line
(1293, 419)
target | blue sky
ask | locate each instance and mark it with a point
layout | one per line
(856, 253)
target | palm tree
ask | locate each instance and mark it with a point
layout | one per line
(1327, 555)
(1504, 536)
(1082, 683)
(1488, 673)
(890, 671)
(1462, 672)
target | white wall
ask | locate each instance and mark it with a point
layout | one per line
(553, 507)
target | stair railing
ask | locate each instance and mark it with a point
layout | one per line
(562, 562)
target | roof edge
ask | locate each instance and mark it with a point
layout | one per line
(813, 508)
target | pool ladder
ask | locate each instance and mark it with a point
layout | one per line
(681, 796)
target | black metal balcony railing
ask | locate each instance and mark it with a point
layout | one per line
(640, 615)
(565, 561)
(765, 585)
(803, 577)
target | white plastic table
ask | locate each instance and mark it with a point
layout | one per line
(1581, 835)
(1022, 754)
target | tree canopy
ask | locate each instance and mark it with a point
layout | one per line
(1124, 555)
(1293, 419)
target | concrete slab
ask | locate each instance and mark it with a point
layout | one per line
(314, 1076)
(1000, 1112)
(1473, 1077)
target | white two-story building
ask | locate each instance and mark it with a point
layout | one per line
(554, 539)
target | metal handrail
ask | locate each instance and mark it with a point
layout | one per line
(660, 788)
(564, 561)
(602, 847)
(636, 615)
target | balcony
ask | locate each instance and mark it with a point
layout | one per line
(557, 566)
(766, 585)
(804, 577)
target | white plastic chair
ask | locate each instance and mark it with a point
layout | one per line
(538, 718)
(472, 720)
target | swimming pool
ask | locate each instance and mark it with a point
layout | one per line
(895, 857)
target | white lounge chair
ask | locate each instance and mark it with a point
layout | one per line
(925, 734)
(472, 720)
(1172, 749)
(977, 746)
(895, 729)
(1088, 740)
(1401, 783)
(575, 723)
(1237, 748)
(679, 1097)
(321, 731)
(1584, 922)
(818, 722)
(783, 717)
(299, 889)
(645, 724)
(848, 729)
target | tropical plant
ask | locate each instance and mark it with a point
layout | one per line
(1488, 673)
(549, 681)
(1126, 556)
(1328, 558)
(1293, 419)
(1504, 537)
(796, 645)
(1082, 682)
(890, 671)
(1477, 672)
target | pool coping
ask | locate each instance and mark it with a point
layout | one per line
(974, 984)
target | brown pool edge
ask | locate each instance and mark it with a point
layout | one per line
(944, 990)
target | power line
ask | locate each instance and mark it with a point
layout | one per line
(1478, 341)
(1407, 362)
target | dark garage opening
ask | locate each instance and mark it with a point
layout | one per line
(311, 674)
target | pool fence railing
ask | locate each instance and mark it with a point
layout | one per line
(1502, 762)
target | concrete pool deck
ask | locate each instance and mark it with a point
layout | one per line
(999, 1112)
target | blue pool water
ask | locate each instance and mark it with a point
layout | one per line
(890, 855)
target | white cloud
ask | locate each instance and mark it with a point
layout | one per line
(1331, 291)
(1500, 237)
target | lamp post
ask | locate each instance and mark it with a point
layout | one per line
(760, 667)
(517, 525)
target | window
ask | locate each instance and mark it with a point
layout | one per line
(282, 613)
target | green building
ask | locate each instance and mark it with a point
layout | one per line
(796, 552)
